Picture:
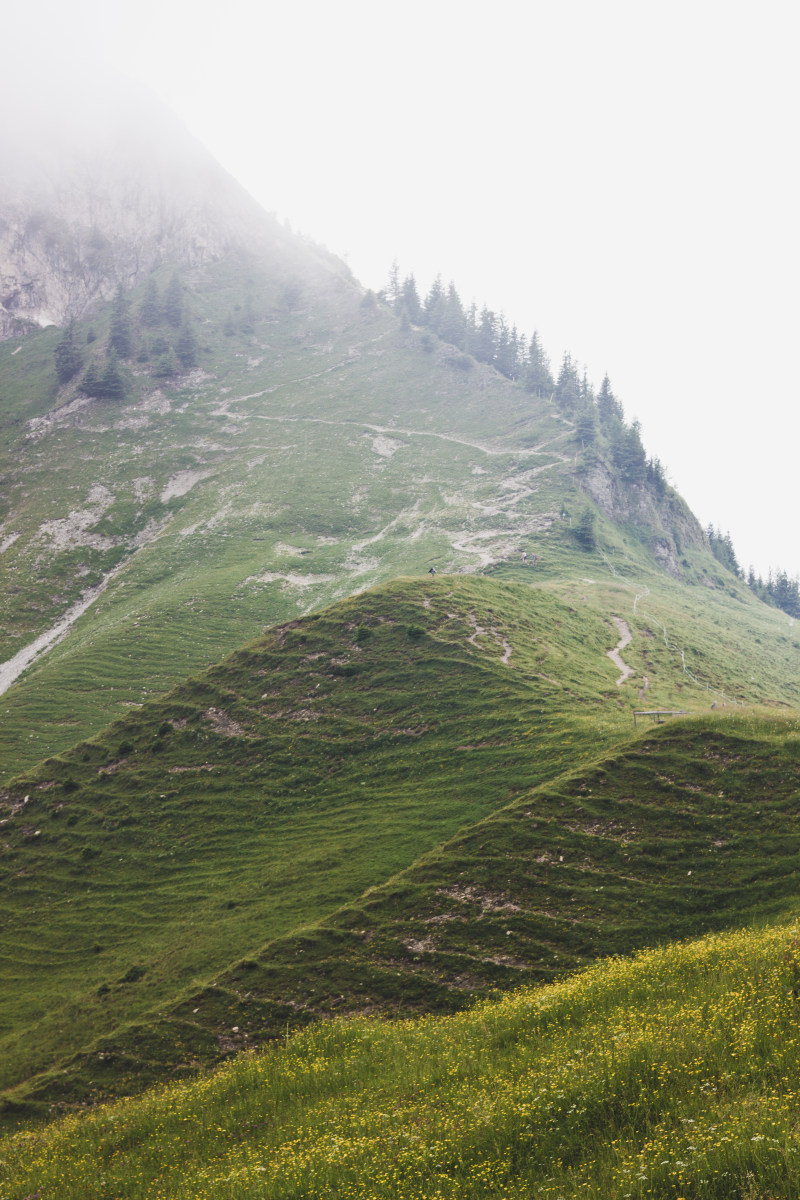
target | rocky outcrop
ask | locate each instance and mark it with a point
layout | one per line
(100, 199)
(664, 521)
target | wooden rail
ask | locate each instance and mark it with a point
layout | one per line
(659, 714)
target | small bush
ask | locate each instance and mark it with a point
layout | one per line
(133, 974)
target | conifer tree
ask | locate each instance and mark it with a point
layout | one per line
(121, 336)
(68, 357)
(90, 383)
(452, 326)
(434, 305)
(173, 301)
(186, 345)
(584, 530)
(167, 364)
(567, 389)
(538, 377)
(609, 408)
(586, 425)
(150, 309)
(112, 384)
(486, 337)
(410, 301)
(393, 290)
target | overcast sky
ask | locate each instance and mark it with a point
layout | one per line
(620, 176)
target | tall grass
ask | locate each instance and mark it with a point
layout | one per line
(672, 1074)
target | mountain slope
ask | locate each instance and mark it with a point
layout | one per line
(299, 776)
(671, 1075)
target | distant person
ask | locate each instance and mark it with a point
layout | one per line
(524, 558)
(534, 559)
(432, 570)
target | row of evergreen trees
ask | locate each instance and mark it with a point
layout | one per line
(487, 337)
(779, 589)
(159, 332)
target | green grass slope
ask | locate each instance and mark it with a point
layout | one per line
(692, 829)
(673, 1074)
(428, 762)
(259, 796)
(317, 448)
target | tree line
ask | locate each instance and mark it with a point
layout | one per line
(778, 589)
(486, 336)
(158, 331)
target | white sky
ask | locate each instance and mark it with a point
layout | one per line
(619, 175)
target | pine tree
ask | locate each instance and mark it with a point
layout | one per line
(393, 291)
(486, 337)
(627, 453)
(90, 384)
(121, 335)
(186, 346)
(656, 477)
(538, 377)
(586, 425)
(150, 309)
(609, 408)
(167, 364)
(434, 305)
(410, 302)
(567, 390)
(453, 324)
(584, 530)
(173, 301)
(68, 357)
(112, 383)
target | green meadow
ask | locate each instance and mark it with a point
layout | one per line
(671, 1074)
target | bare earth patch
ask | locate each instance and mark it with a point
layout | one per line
(220, 722)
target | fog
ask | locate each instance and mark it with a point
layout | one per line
(619, 177)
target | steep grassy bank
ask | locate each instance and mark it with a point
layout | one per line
(256, 798)
(691, 829)
(673, 1075)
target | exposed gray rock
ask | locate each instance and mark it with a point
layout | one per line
(101, 193)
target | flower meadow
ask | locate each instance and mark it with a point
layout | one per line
(674, 1073)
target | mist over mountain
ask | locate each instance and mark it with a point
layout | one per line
(330, 643)
(102, 184)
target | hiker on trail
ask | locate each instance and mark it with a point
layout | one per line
(524, 558)
(535, 558)
(432, 571)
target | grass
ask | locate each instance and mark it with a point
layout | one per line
(672, 1074)
(329, 452)
(390, 803)
(369, 810)
(258, 797)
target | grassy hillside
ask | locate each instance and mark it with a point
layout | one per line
(316, 448)
(259, 796)
(418, 760)
(673, 1074)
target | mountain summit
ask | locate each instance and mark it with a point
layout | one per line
(102, 185)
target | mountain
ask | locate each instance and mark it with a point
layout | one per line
(258, 764)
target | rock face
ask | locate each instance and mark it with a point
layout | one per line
(670, 524)
(100, 194)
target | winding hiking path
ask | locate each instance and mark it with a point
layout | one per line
(623, 629)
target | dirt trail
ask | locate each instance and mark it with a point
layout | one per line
(616, 654)
(480, 631)
(13, 667)
(11, 670)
